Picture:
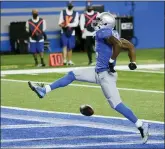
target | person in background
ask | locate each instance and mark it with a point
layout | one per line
(36, 28)
(68, 20)
(88, 31)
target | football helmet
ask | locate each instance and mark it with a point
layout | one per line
(104, 20)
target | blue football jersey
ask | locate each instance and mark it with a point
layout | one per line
(103, 49)
(115, 34)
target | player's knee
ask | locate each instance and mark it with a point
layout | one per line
(113, 102)
(71, 75)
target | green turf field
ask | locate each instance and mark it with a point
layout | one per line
(148, 56)
(146, 105)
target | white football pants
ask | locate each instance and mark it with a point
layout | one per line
(106, 80)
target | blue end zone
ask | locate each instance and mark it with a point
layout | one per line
(28, 129)
(10, 121)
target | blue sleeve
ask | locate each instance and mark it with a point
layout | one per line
(104, 33)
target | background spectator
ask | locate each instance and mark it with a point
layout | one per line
(88, 31)
(36, 27)
(68, 20)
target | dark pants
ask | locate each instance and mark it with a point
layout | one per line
(89, 42)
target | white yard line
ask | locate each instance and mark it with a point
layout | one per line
(70, 138)
(64, 113)
(58, 122)
(64, 70)
(90, 144)
(146, 71)
(90, 86)
(62, 124)
(27, 126)
(74, 137)
(65, 122)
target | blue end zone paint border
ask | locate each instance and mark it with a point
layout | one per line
(66, 135)
(64, 114)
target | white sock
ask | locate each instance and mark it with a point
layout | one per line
(48, 89)
(139, 123)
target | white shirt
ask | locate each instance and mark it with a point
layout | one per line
(35, 21)
(73, 24)
(82, 25)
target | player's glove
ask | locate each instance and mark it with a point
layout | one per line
(132, 66)
(111, 67)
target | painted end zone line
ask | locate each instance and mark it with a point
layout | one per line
(90, 86)
(72, 138)
(101, 116)
(78, 145)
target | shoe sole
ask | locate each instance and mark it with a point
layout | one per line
(33, 89)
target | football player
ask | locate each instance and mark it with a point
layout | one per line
(107, 49)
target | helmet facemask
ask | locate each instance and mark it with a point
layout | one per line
(104, 20)
(97, 24)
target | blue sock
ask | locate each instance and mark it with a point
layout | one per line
(67, 79)
(121, 108)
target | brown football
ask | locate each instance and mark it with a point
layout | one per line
(86, 110)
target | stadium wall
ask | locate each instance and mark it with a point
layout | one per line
(149, 19)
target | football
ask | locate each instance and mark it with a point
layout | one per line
(86, 110)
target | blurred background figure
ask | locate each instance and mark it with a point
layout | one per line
(68, 20)
(88, 31)
(36, 27)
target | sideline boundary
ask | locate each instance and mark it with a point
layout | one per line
(64, 70)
